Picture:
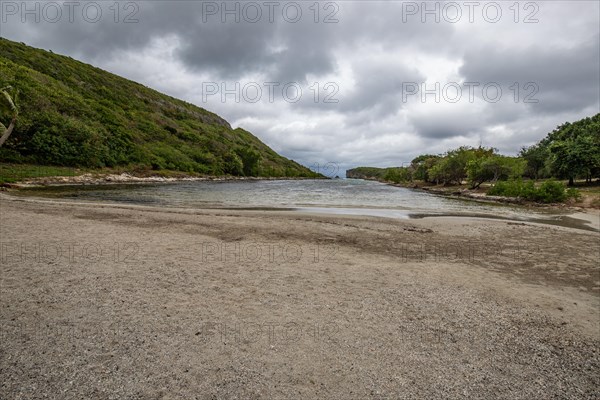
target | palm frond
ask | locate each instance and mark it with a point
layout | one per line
(9, 100)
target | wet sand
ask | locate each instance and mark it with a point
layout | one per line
(107, 301)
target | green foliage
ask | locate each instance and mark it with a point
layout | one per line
(549, 191)
(536, 158)
(397, 175)
(577, 157)
(73, 114)
(513, 188)
(493, 168)
(452, 168)
(10, 173)
(365, 173)
(574, 150)
(7, 106)
(7, 102)
(573, 193)
(233, 164)
(250, 161)
(421, 166)
(392, 174)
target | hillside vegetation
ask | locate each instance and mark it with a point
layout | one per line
(75, 115)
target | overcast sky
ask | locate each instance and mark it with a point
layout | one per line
(368, 71)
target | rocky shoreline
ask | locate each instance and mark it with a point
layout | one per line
(127, 178)
(468, 194)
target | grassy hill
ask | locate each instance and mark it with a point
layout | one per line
(75, 115)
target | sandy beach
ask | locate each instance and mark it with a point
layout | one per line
(108, 301)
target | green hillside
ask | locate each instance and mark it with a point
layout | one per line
(75, 115)
(372, 173)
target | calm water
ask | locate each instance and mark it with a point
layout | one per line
(340, 196)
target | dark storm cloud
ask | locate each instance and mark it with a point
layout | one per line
(87, 35)
(288, 51)
(567, 78)
(285, 52)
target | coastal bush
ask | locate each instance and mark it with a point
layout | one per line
(233, 164)
(573, 193)
(549, 191)
(397, 175)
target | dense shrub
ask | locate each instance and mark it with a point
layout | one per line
(397, 175)
(548, 192)
(551, 192)
(232, 164)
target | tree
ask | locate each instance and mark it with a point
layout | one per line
(250, 160)
(574, 149)
(536, 157)
(7, 104)
(453, 167)
(421, 165)
(575, 157)
(493, 168)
